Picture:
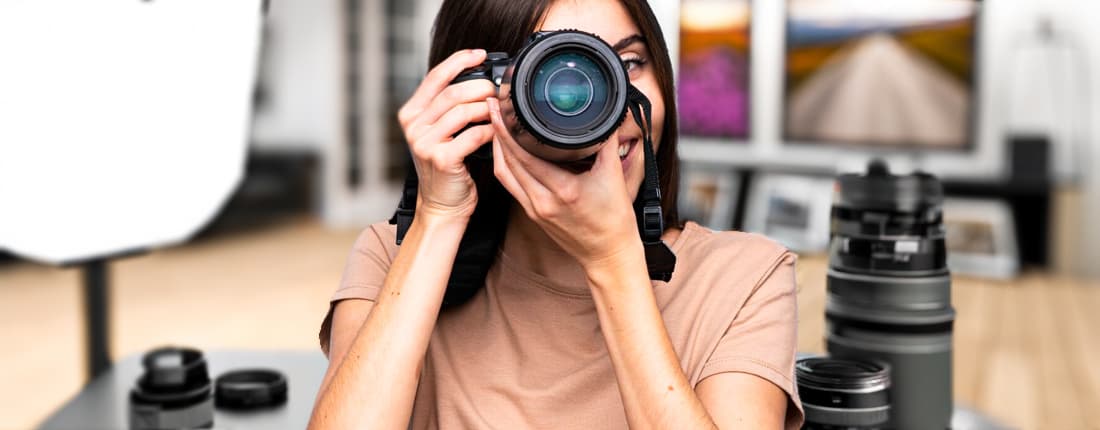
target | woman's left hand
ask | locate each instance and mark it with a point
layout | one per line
(588, 214)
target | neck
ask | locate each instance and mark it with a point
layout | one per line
(530, 247)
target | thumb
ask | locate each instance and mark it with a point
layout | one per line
(607, 160)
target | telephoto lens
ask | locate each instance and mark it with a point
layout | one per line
(173, 393)
(843, 394)
(889, 289)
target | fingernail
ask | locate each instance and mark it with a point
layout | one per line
(478, 52)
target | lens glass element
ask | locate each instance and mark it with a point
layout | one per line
(570, 91)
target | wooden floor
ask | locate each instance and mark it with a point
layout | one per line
(1026, 352)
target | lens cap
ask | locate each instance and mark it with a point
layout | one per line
(250, 389)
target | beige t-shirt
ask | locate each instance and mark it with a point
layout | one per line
(527, 351)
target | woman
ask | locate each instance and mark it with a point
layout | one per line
(568, 330)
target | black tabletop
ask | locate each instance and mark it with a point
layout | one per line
(103, 403)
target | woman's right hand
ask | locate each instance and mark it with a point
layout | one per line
(429, 119)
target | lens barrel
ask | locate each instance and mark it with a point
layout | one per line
(174, 392)
(843, 394)
(562, 95)
(889, 289)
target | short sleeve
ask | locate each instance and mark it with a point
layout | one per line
(763, 337)
(364, 272)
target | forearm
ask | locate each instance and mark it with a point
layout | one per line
(377, 378)
(654, 389)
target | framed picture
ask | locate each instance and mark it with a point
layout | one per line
(981, 238)
(895, 73)
(791, 209)
(708, 195)
(713, 87)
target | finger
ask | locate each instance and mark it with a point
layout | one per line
(436, 80)
(503, 173)
(508, 149)
(469, 141)
(543, 171)
(454, 120)
(464, 92)
(608, 164)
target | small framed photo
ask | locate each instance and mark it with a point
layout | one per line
(981, 238)
(791, 209)
(708, 195)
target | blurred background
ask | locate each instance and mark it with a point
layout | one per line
(999, 98)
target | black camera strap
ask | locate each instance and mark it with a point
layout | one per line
(651, 223)
(406, 207)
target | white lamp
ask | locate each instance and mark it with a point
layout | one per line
(123, 123)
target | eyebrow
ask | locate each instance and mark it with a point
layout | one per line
(627, 41)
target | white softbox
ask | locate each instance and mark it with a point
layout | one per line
(123, 123)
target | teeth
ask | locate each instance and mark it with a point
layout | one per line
(623, 149)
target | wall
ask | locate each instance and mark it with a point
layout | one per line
(301, 62)
(1000, 27)
(1003, 24)
(1089, 250)
(303, 73)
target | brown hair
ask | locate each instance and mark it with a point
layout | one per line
(505, 25)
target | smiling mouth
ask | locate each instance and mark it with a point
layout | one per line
(625, 147)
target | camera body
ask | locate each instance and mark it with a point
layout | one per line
(562, 95)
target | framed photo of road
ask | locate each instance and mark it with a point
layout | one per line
(896, 73)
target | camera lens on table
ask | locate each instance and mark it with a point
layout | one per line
(889, 289)
(173, 393)
(843, 394)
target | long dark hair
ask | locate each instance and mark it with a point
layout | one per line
(505, 25)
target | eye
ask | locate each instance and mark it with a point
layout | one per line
(633, 64)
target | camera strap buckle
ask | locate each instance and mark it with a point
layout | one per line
(652, 224)
(406, 207)
(660, 260)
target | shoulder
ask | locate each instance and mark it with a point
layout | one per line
(733, 255)
(718, 271)
(379, 240)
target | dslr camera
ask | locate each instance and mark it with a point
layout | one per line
(562, 95)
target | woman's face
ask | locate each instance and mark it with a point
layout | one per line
(609, 20)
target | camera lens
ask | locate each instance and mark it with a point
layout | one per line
(843, 394)
(889, 289)
(567, 87)
(568, 91)
(173, 393)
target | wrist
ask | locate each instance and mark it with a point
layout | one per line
(624, 267)
(432, 221)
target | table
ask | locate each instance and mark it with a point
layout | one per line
(103, 403)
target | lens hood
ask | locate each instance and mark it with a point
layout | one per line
(566, 131)
(250, 389)
(878, 189)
